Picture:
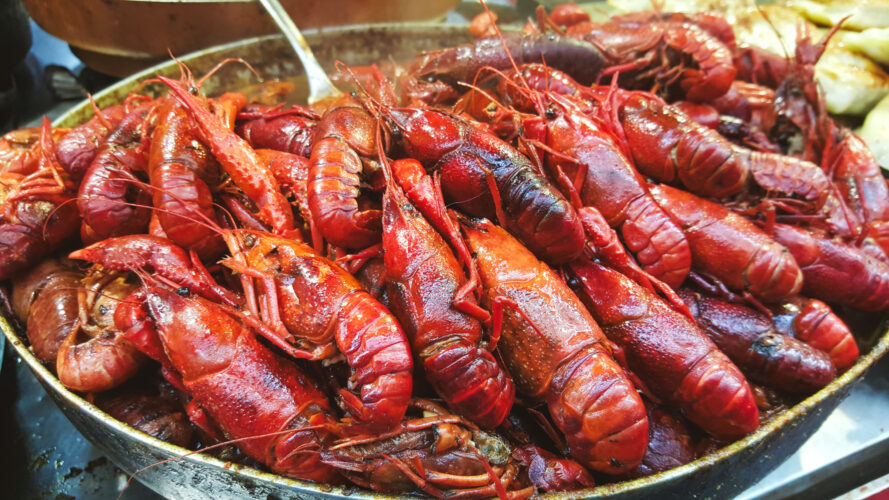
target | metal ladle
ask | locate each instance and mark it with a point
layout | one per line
(320, 86)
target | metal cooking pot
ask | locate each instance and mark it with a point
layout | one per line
(723, 473)
(119, 37)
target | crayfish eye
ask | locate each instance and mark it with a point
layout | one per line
(182, 291)
(396, 134)
(549, 113)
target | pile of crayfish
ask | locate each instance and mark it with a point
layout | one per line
(584, 252)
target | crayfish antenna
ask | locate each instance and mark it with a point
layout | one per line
(375, 106)
(98, 112)
(545, 22)
(344, 68)
(610, 116)
(715, 287)
(187, 77)
(508, 53)
(391, 186)
(498, 484)
(48, 149)
(525, 89)
(222, 63)
(185, 74)
(134, 97)
(774, 28)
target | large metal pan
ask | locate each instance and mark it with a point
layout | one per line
(721, 474)
(118, 37)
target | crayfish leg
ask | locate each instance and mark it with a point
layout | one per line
(202, 421)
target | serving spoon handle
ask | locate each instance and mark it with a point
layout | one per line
(320, 86)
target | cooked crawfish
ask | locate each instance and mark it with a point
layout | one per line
(157, 415)
(105, 360)
(425, 281)
(589, 156)
(140, 253)
(344, 135)
(309, 299)
(813, 322)
(799, 105)
(60, 307)
(289, 130)
(486, 177)
(731, 248)
(751, 340)
(239, 388)
(77, 149)
(668, 146)
(19, 152)
(835, 271)
(582, 60)
(292, 173)
(237, 158)
(557, 353)
(181, 171)
(289, 273)
(675, 361)
(670, 443)
(441, 455)
(45, 299)
(38, 216)
(860, 182)
(110, 198)
(652, 51)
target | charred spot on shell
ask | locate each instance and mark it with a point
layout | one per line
(492, 447)
(766, 345)
(44, 208)
(249, 240)
(476, 223)
(733, 128)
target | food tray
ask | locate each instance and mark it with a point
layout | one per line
(723, 473)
